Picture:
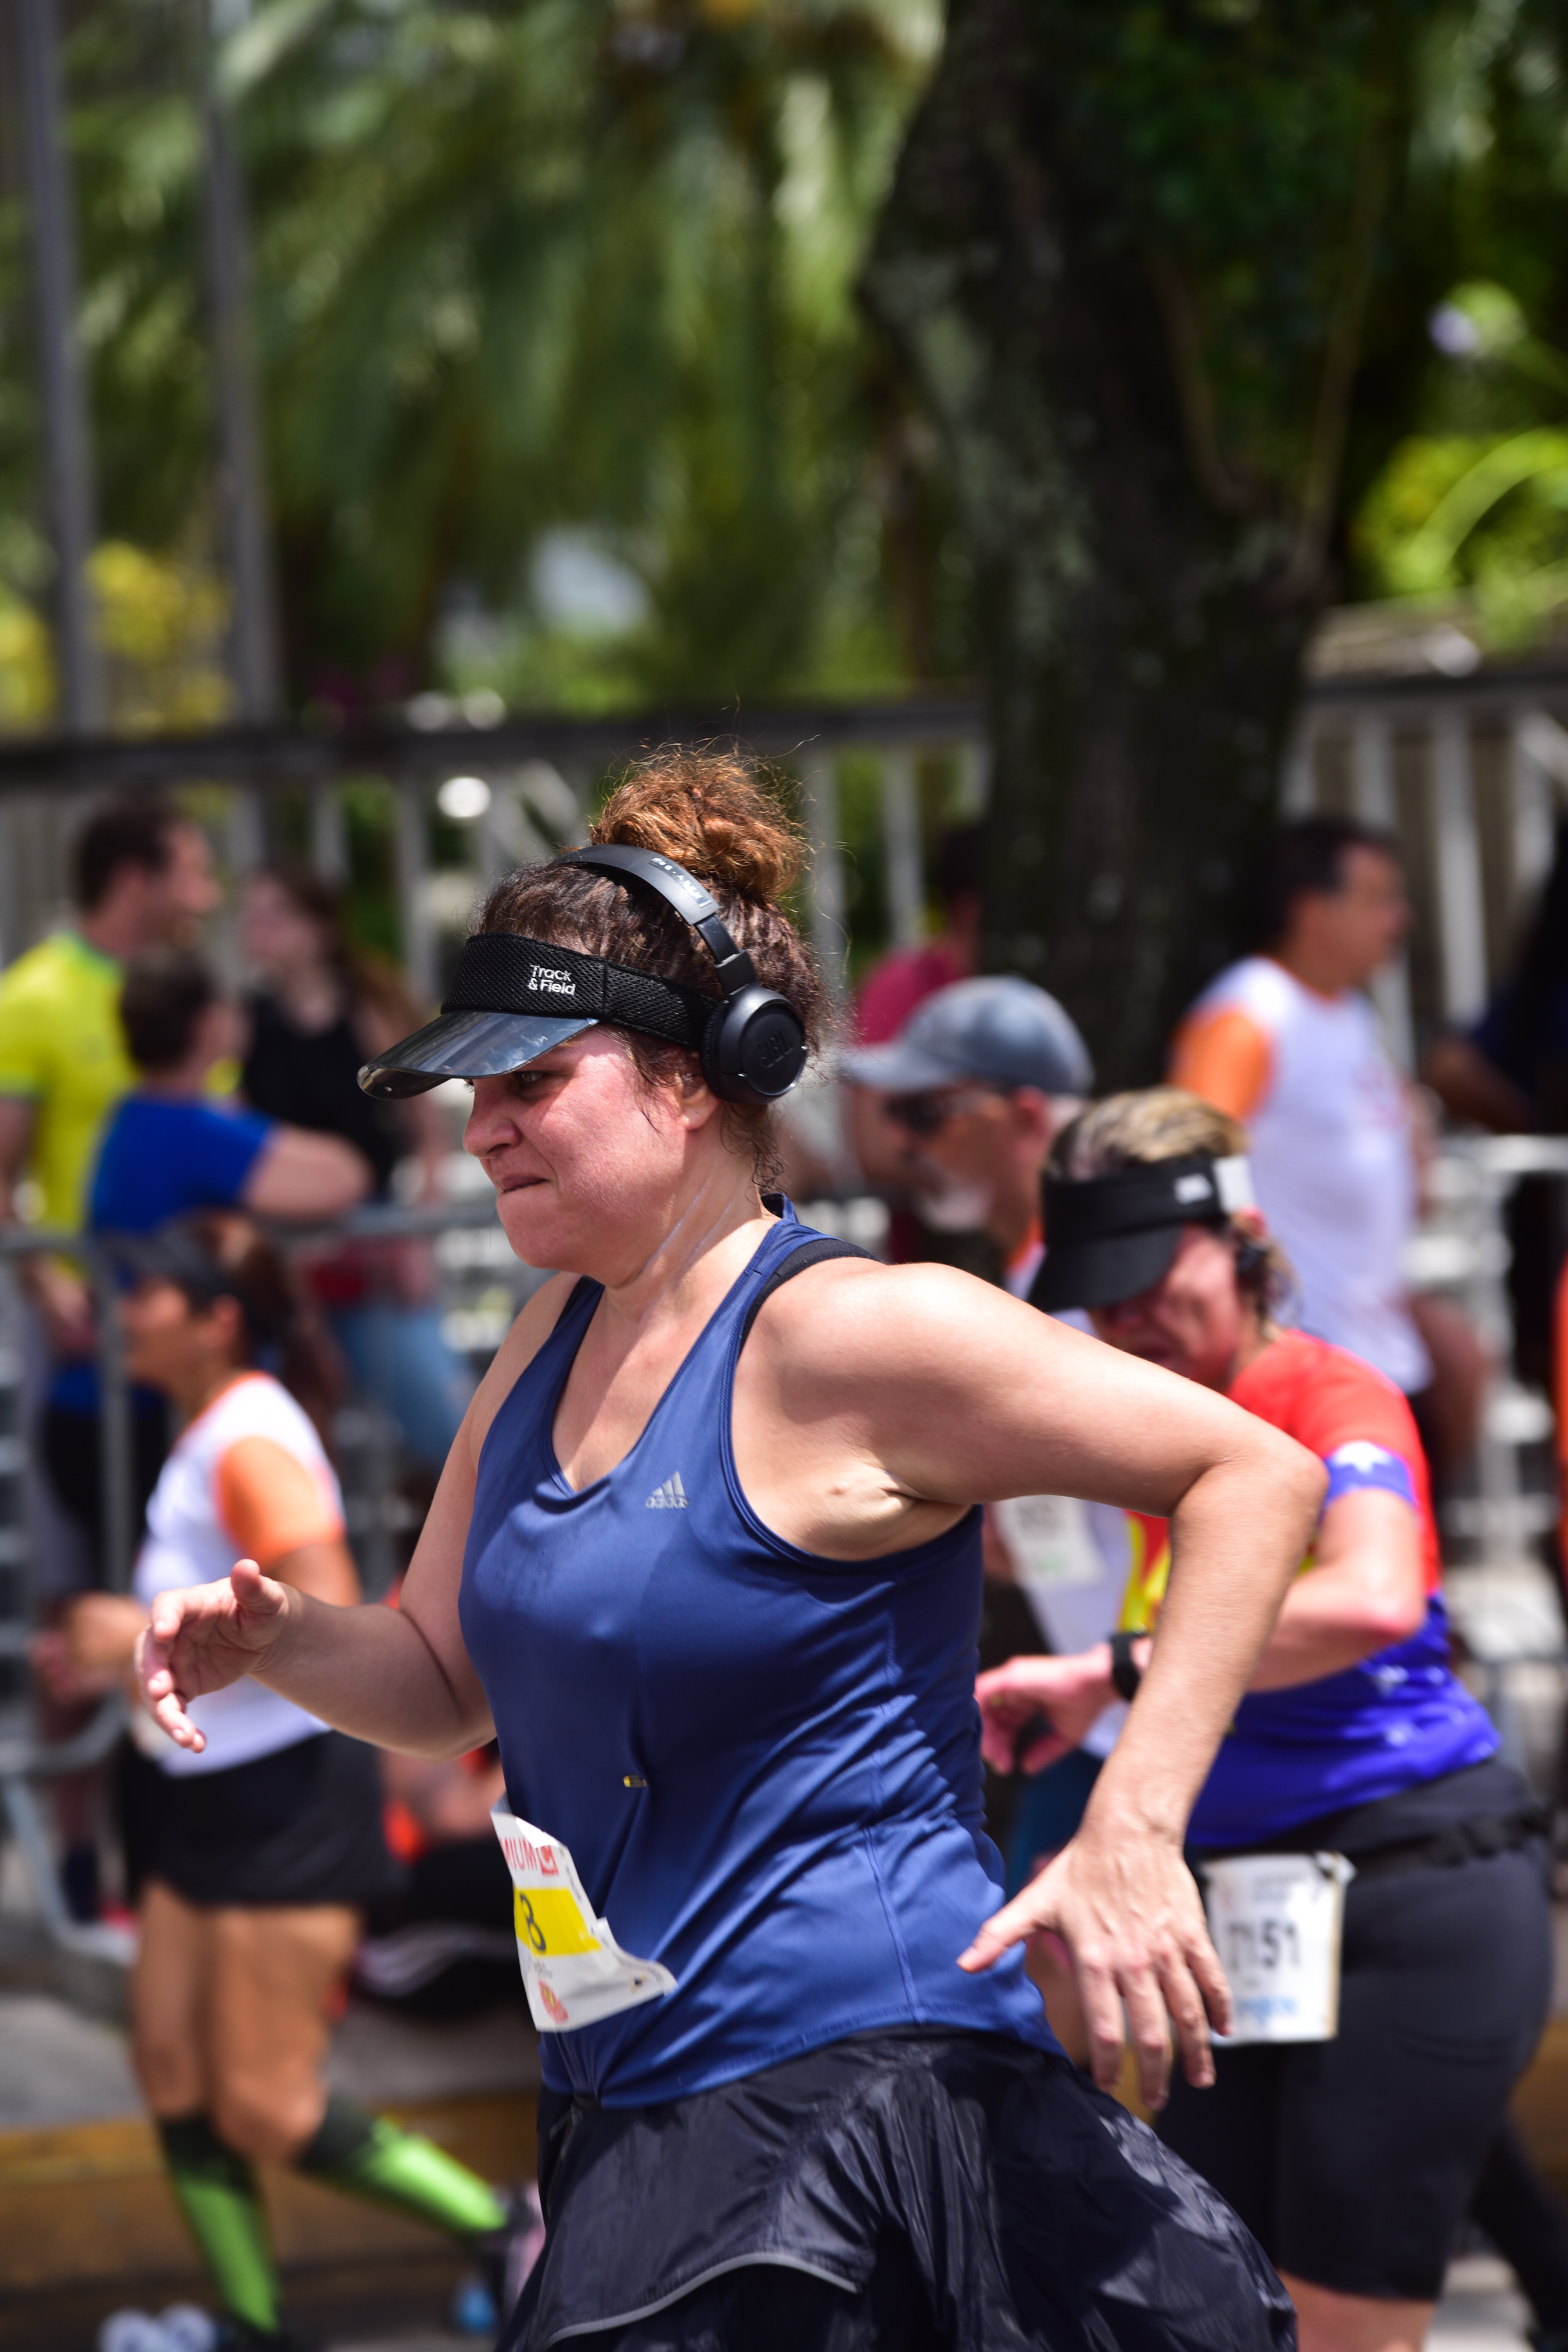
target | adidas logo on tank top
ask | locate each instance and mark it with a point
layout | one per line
(670, 1496)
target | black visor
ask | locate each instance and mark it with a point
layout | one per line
(513, 999)
(1110, 1237)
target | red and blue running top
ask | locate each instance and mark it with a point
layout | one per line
(1400, 1717)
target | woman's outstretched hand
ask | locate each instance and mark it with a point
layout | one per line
(204, 1638)
(1125, 1906)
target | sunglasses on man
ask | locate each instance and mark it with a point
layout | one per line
(926, 1115)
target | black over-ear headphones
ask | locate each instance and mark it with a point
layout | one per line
(1251, 1258)
(754, 1048)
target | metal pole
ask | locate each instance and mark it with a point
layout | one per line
(67, 443)
(1462, 911)
(1371, 780)
(114, 1428)
(1299, 783)
(821, 794)
(901, 850)
(413, 870)
(328, 834)
(253, 638)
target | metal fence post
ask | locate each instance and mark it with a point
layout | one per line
(114, 1425)
(328, 834)
(1372, 782)
(67, 433)
(901, 849)
(413, 874)
(820, 791)
(1460, 907)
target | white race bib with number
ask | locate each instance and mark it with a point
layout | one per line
(1276, 1920)
(574, 1971)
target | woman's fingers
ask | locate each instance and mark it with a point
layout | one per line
(1183, 2000)
(998, 1935)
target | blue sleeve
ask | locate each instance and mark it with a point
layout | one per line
(222, 1149)
(1359, 1465)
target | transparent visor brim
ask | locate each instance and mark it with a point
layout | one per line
(466, 1046)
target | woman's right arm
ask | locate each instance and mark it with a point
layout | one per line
(399, 1677)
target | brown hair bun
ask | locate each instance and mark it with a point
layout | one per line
(708, 811)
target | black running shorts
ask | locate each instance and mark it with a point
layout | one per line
(300, 1826)
(1352, 2161)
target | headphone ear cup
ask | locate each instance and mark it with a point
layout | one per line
(1250, 1259)
(754, 1048)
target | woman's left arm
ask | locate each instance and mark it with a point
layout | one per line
(1365, 1590)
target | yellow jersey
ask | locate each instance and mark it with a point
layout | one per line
(62, 1049)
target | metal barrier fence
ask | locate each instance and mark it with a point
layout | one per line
(1468, 770)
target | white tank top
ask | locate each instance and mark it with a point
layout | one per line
(187, 1543)
(1332, 1161)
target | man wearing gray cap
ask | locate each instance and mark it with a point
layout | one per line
(977, 1083)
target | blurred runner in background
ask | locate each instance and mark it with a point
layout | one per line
(141, 875)
(260, 1854)
(171, 1147)
(1350, 2157)
(322, 1010)
(1287, 1043)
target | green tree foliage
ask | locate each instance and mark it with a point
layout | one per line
(1162, 269)
(518, 265)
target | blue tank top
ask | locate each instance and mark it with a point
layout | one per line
(765, 1764)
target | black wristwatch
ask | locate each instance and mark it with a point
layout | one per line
(1125, 1675)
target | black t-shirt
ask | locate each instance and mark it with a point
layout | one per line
(310, 1077)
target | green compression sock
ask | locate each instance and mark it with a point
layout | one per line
(217, 2194)
(370, 2157)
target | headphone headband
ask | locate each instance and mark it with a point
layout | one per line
(685, 894)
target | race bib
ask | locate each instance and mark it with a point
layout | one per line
(1276, 1920)
(574, 1971)
(1051, 1541)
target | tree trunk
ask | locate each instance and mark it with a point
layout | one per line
(1142, 643)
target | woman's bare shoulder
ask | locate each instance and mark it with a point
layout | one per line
(848, 1318)
(517, 1351)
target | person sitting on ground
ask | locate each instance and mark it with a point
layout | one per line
(442, 1946)
(262, 1851)
(1349, 2142)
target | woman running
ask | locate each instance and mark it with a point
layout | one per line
(261, 1847)
(706, 1559)
(1350, 2158)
